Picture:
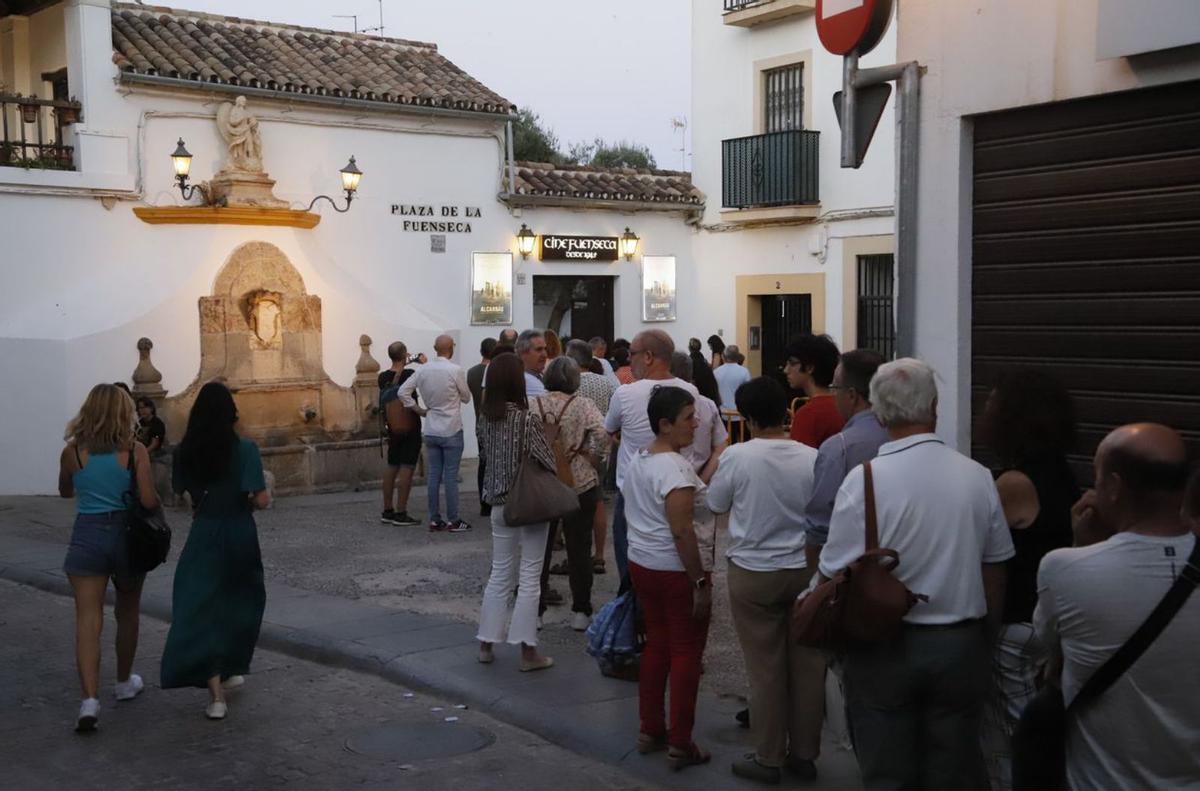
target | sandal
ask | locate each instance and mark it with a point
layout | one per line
(680, 758)
(560, 568)
(598, 566)
(541, 663)
(647, 744)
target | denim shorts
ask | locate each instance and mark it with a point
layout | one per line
(98, 549)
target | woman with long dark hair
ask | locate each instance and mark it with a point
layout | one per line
(717, 347)
(509, 434)
(702, 373)
(218, 599)
(103, 467)
(1029, 424)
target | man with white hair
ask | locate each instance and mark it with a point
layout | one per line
(916, 702)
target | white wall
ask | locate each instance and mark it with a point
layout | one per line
(723, 90)
(983, 56)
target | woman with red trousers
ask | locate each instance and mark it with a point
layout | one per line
(674, 590)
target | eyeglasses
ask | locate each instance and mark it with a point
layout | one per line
(790, 362)
(833, 386)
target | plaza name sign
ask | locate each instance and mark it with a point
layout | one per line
(428, 218)
(579, 248)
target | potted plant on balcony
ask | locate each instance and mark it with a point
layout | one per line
(67, 114)
(29, 110)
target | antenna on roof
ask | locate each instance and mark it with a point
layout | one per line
(379, 29)
(348, 16)
(680, 125)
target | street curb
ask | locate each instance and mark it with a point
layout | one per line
(347, 655)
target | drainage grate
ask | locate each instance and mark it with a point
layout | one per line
(411, 741)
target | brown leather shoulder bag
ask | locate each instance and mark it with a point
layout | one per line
(863, 603)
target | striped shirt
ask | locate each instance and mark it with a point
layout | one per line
(503, 448)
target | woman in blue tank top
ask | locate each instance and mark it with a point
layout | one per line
(94, 468)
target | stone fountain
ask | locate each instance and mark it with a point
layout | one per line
(260, 334)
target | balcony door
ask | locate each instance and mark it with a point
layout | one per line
(783, 98)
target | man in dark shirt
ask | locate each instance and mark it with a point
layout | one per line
(403, 450)
(475, 385)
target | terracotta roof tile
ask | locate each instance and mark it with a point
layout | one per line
(585, 182)
(207, 48)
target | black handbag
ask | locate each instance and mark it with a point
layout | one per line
(147, 534)
(1039, 742)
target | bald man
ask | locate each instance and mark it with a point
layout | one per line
(627, 420)
(1131, 544)
(442, 386)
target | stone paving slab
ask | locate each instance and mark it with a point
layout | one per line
(570, 705)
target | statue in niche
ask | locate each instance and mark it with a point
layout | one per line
(265, 309)
(239, 129)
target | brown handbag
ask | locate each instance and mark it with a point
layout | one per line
(863, 603)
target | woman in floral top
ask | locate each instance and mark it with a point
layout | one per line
(583, 438)
(508, 434)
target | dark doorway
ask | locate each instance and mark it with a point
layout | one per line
(574, 306)
(784, 318)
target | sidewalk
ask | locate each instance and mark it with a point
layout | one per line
(571, 704)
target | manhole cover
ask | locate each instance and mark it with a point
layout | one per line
(410, 741)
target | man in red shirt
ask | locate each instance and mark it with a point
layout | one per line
(811, 361)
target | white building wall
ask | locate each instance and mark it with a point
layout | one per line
(984, 56)
(726, 62)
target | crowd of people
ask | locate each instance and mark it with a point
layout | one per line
(1023, 580)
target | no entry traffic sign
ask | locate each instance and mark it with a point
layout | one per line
(852, 26)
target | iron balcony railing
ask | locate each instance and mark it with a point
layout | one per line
(32, 132)
(738, 5)
(775, 169)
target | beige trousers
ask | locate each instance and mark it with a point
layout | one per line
(787, 681)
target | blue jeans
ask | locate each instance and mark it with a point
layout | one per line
(443, 455)
(620, 537)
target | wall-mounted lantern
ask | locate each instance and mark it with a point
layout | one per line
(629, 244)
(351, 175)
(181, 161)
(526, 240)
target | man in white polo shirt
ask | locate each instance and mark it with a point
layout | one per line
(916, 702)
(650, 358)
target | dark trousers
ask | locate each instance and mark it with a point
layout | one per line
(577, 535)
(620, 540)
(577, 532)
(916, 706)
(484, 508)
(674, 650)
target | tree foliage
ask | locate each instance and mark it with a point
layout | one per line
(533, 141)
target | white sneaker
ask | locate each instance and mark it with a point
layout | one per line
(233, 682)
(130, 688)
(89, 716)
(580, 621)
(216, 710)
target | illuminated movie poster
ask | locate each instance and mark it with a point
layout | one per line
(658, 288)
(491, 288)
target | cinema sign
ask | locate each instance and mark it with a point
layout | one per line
(579, 248)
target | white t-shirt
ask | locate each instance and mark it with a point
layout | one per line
(651, 477)
(940, 511)
(710, 433)
(627, 414)
(765, 485)
(1144, 730)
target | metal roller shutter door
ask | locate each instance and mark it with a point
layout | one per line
(1086, 256)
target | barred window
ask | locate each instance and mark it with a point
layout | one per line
(784, 104)
(876, 319)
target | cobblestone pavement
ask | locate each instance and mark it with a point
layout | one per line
(289, 726)
(335, 544)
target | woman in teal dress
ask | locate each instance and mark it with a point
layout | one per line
(218, 600)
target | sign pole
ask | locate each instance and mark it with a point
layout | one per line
(908, 113)
(849, 108)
